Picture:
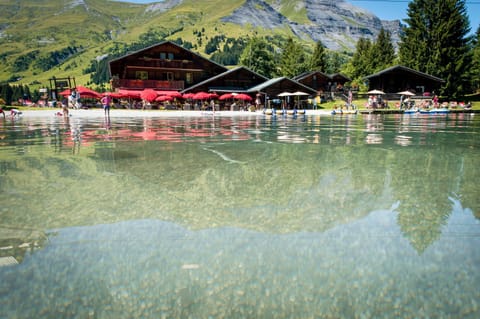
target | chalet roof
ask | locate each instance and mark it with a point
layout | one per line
(274, 81)
(339, 76)
(308, 74)
(222, 75)
(401, 68)
(165, 43)
(328, 76)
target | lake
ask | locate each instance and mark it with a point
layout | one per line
(246, 216)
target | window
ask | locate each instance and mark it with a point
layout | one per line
(169, 76)
(141, 75)
(166, 55)
(188, 78)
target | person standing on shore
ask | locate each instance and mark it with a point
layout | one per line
(106, 100)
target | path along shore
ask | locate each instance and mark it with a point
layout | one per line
(115, 113)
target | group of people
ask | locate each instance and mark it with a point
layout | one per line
(376, 101)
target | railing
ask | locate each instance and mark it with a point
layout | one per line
(162, 63)
(141, 84)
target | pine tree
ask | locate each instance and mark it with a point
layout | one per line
(258, 57)
(318, 60)
(334, 61)
(475, 70)
(292, 60)
(361, 63)
(382, 52)
(435, 42)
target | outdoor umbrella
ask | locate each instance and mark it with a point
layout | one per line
(201, 96)
(225, 96)
(115, 95)
(163, 98)
(406, 93)
(188, 95)
(65, 92)
(375, 92)
(243, 97)
(213, 95)
(175, 94)
(130, 93)
(299, 93)
(83, 91)
(285, 95)
(148, 95)
(86, 92)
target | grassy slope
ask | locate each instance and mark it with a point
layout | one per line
(49, 26)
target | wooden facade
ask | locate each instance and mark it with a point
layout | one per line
(272, 88)
(401, 78)
(322, 82)
(237, 80)
(165, 66)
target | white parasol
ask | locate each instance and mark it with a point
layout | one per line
(406, 93)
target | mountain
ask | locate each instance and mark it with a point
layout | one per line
(44, 38)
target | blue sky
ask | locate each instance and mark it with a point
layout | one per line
(393, 9)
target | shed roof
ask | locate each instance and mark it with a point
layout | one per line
(401, 68)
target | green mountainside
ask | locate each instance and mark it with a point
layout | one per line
(44, 38)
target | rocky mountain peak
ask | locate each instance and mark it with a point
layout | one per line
(338, 24)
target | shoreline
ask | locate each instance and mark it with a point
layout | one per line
(118, 113)
(122, 113)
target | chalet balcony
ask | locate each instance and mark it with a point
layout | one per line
(153, 84)
(163, 64)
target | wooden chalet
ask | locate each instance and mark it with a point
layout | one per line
(273, 87)
(236, 80)
(322, 82)
(165, 66)
(400, 78)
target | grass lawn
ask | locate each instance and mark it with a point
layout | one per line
(360, 103)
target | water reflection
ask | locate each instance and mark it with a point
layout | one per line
(154, 269)
(16, 242)
(242, 216)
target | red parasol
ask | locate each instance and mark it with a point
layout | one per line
(174, 94)
(243, 97)
(213, 95)
(86, 92)
(201, 96)
(163, 98)
(83, 91)
(115, 95)
(130, 93)
(188, 95)
(225, 96)
(65, 92)
(148, 95)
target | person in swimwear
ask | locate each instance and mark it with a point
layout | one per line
(15, 113)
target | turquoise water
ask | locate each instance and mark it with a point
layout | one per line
(364, 216)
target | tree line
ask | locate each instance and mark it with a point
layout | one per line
(435, 41)
(14, 94)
